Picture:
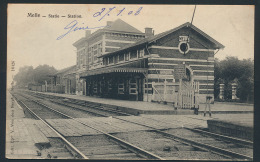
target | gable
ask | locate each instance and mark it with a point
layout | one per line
(196, 39)
(171, 37)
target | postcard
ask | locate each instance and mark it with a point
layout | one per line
(130, 82)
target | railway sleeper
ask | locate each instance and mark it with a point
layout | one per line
(105, 151)
(115, 156)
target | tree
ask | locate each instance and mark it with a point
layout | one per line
(217, 78)
(24, 76)
(230, 69)
(42, 73)
(246, 81)
(27, 75)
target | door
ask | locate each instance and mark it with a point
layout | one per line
(140, 89)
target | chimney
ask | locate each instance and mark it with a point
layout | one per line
(109, 23)
(87, 33)
(149, 32)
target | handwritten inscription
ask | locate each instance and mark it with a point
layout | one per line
(106, 12)
(73, 26)
(100, 14)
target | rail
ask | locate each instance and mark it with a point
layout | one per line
(199, 145)
(130, 146)
(70, 146)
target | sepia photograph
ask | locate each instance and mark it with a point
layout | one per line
(130, 82)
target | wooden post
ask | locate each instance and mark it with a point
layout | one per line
(164, 91)
(153, 95)
(180, 89)
(192, 94)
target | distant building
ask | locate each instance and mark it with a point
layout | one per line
(64, 81)
(122, 62)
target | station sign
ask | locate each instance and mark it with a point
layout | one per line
(168, 72)
(179, 71)
(184, 39)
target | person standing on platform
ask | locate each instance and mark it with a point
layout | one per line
(208, 98)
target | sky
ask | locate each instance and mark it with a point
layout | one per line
(33, 41)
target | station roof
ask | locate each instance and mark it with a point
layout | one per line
(161, 35)
(121, 26)
(71, 68)
(114, 70)
(116, 26)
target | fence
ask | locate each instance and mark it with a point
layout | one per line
(188, 95)
(183, 94)
(165, 91)
(50, 88)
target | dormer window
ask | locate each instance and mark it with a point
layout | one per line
(133, 54)
(121, 57)
(140, 53)
(126, 56)
(110, 60)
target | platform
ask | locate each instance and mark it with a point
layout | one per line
(238, 126)
(131, 107)
(23, 136)
(229, 108)
(141, 107)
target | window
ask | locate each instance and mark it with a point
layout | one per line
(90, 60)
(184, 47)
(116, 57)
(95, 58)
(105, 61)
(81, 59)
(133, 54)
(121, 87)
(121, 57)
(126, 56)
(100, 48)
(111, 60)
(141, 53)
(132, 86)
(148, 88)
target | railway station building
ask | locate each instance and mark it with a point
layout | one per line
(121, 62)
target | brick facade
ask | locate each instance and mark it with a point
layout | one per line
(156, 56)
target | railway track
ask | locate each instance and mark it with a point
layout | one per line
(104, 146)
(89, 107)
(230, 148)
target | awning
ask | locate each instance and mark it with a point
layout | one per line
(112, 70)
